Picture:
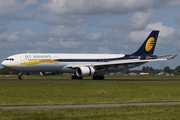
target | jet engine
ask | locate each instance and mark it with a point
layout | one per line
(85, 71)
(48, 73)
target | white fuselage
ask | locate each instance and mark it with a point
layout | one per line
(47, 62)
(85, 64)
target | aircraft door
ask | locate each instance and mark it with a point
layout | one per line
(55, 58)
(101, 59)
(23, 59)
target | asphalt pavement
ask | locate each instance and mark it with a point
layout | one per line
(121, 80)
(85, 106)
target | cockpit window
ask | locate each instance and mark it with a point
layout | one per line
(10, 59)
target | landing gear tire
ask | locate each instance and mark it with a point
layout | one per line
(20, 77)
(98, 77)
(102, 77)
(76, 77)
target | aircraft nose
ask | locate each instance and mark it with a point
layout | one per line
(4, 63)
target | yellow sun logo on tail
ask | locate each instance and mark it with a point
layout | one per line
(150, 43)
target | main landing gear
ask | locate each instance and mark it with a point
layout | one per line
(76, 77)
(95, 77)
(20, 77)
(98, 77)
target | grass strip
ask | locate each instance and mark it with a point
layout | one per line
(122, 113)
(86, 92)
(90, 77)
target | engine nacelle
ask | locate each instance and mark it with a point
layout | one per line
(85, 71)
(47, 73)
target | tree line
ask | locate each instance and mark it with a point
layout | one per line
(5, 71)
(176, 71)
(152, 71)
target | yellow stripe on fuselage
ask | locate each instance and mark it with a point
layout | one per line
(39, 62)
(34, 63)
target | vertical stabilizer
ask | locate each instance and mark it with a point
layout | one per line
(147, 48)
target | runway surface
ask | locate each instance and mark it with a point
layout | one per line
(85, 106)
(49, 80)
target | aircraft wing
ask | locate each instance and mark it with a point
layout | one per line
(115, 63)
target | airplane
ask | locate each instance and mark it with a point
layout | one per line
(83, 65)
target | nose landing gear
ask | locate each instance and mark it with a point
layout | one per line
(20, 77)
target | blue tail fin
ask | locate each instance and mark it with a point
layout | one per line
(147, 48)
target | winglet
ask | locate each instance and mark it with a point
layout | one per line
(172, 57)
